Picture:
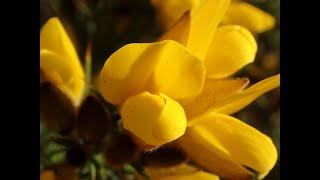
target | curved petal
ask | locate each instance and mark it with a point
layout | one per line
(59, 61)
(154, 119)
(178, 74)
(62, 74)
(126, 71)
(231, 48)
(213, 91)
(238, 101)
(179, 31)
(54, 38)
(207, 152)
(195, 30)
(204, 21)
(162, 67)
(232, 139)
(249, 16)
(183, 172)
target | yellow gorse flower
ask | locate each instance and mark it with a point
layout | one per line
(150, 81)
(178, 89)
(238, 13)
(59, 61)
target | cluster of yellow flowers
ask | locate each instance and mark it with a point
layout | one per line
(179, 90)
(238, 12)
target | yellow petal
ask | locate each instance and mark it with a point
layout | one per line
(228, 137)
(178, 74)
(214, 90)
(162, 67)
(207, 152)
(196, 30)
(179, 31)
(126, 71)
(170, 11)
(249, 16)
(59, 61)
(62, 74)
(238, 101)
(204, 21)
(231, 48)
(183, 172)
(53, 37)
(55, 67)
(154, 119)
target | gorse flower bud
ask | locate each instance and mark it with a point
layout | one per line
(59, 61)
(156, 113)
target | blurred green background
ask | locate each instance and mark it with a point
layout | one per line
(110, 24)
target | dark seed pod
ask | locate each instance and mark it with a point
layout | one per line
(120, 150)
(56, 109)
(164, 156)
(77, 155)
(93, 120)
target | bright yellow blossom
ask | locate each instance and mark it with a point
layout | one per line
(224, 49)
(158, 86)
(150, 82)
(238, 13)
(223, 143)
(59, 61)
